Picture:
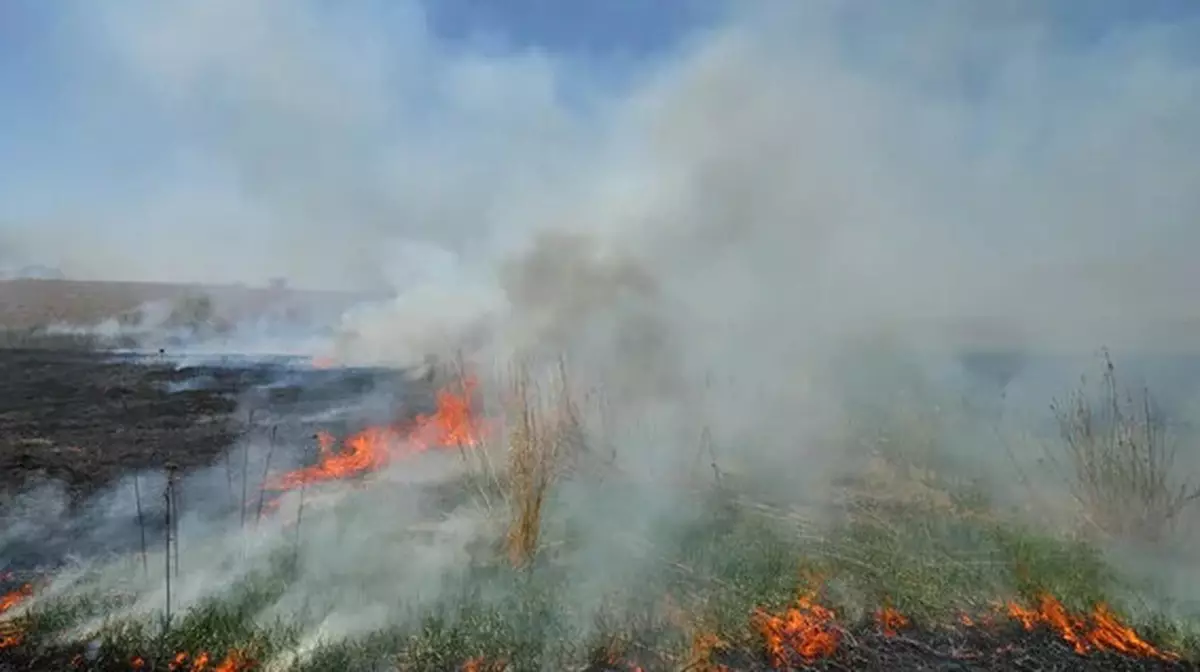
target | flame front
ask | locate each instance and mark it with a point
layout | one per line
(805, 630)
(11, 633)
(1099, 631)
(453, 424)
(234, 662)
(10, 600)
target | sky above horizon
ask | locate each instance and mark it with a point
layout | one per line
(129, 128)
(52, 65)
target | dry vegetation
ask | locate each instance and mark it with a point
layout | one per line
(1122, 461)
(29, 307)
(911, 573)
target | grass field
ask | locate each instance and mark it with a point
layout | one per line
(60, 313)
(543, 546)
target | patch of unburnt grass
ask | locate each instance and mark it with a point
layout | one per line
(712, 577)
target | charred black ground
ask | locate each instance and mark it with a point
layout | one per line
(84, 418)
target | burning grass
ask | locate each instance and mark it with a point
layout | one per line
(725, 596)
(741, 584)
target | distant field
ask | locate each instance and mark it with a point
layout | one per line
(29, 304)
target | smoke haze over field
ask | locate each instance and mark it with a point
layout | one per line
(779, 173)
(715, 230)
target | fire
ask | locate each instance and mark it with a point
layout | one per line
(12, 599)
(704, 646)
(481, 664)
(1099, 631)
(806, 630)
(365, 451)
(320, 362)
(234, 662)
(11, 634)
(891, 621)
(452, 424)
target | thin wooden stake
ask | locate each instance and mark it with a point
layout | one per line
(245, 468)
(174, 490)
(167, 498)
(262, 486)
(299, 518)
(137, 500)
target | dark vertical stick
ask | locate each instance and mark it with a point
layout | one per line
(299, 518)
(167, 497)
(229, 477)
(245, 469)
(174, 490)
(137, 499)
(262, 487)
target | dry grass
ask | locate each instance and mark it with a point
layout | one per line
(32, 304)
(1122, 465)
(541, 434)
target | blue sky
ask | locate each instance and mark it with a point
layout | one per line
(47, 69)
(96, 120)
(39, 80)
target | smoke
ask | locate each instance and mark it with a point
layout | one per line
(791, 167)
(719, 242)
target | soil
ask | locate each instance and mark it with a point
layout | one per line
(85, 418)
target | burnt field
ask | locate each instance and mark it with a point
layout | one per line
(347, 519)
(85, 418)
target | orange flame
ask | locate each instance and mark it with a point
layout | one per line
(480, 664)
(234, 662)
(452, 424)
(891, 621)
(136, 663)
(806, 631)
(12, 634)
(1099, 631)
(12, 599)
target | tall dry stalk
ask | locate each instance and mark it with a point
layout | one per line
(537, 444)
(300, 518)
(168, 500)
(479, 452)
(262, 485)
(173, 492)
(137, 500)
(1121, 464)
(245, 476)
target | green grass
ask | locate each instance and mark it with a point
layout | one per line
(716, 571)
(926, 545)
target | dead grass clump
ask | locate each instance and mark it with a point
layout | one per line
(541, 433)
(1120, 462)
